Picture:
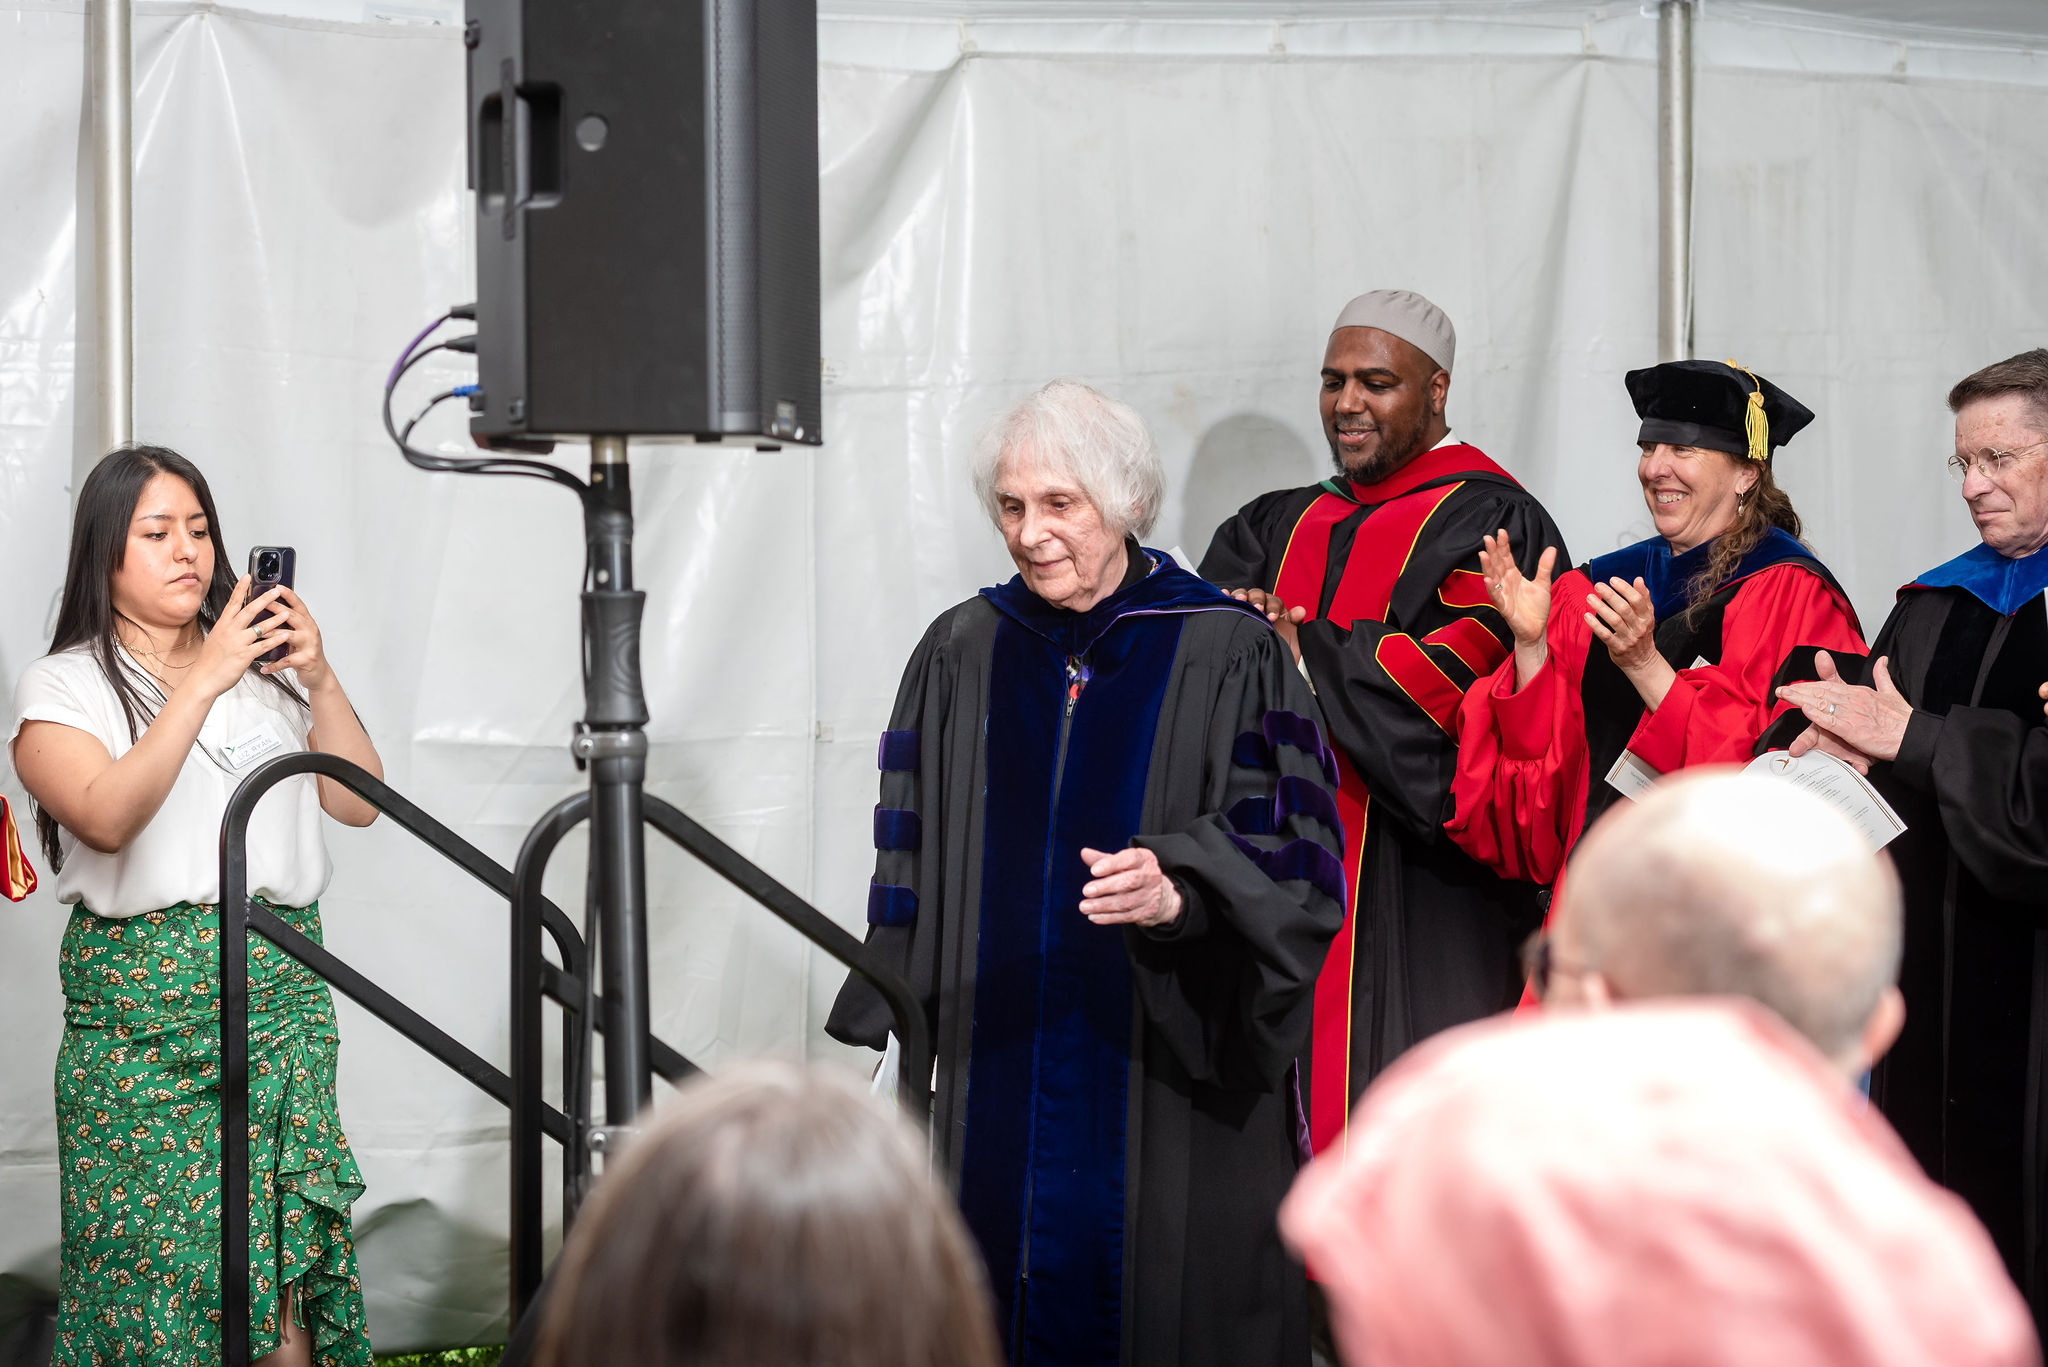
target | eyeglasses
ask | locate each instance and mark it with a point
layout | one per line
(1991, 464)
(1541, 964)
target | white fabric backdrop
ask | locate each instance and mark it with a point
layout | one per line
(1178, 226)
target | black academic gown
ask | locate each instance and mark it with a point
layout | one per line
(1114, 1105)
(1401, 626)
(1964, 1085)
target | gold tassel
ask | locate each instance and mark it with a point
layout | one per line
(1755, 425)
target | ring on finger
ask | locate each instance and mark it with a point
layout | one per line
(1831, 709)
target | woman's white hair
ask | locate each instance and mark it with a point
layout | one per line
(1072, 429)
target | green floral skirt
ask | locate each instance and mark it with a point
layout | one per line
(138, 1141)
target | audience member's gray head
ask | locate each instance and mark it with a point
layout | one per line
(1724, 884)
(1074, 430)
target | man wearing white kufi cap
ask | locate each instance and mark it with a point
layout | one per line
(1373, 576)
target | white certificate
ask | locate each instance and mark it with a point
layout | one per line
(1838, 785)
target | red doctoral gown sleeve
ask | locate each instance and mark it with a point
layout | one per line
(1714, 714)
(1520, 789)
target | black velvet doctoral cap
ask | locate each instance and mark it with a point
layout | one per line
(1715, 405)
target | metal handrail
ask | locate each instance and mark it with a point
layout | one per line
(239, 916)
(528, 1113)
(533, 976)
(913, 1031)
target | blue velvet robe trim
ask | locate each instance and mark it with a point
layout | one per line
(1043, 1173)
(2001, 584)
(1250, 751)
(1669, 577)
(897, 828)
(1303, 859)
(1251, 816)
(897, 753)
(890, 905)
(1167, 589)
(1291, 728)
(1296, 796)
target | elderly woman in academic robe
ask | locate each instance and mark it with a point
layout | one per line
(1109, 865)
(1945, 718)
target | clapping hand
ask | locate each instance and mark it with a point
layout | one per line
(1523, 603)
(1853, 723)
(1624, 619)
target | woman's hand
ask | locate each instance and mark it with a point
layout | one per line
(1128, 888)
(1626, 623)
(1523, 603)
(294, 627)
(233, 644)
(336, 730)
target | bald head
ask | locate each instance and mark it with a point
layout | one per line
(1727, 884)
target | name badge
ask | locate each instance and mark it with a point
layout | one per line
(251, 747)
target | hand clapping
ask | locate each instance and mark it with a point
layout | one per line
(1853, 723)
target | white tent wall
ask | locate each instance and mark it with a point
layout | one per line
(1171, 209)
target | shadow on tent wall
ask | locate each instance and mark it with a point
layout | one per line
(1236, 460)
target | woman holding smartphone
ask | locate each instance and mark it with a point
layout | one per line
(152, 705)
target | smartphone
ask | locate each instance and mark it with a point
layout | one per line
(270, 566)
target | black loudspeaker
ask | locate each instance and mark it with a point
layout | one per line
(646, 177)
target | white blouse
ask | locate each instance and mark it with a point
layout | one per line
(176, 858)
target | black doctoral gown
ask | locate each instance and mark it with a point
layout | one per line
(1114, 1105)
(1964, 1085)
(1400, 626)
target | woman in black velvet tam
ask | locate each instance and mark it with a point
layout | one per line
(1110, 865)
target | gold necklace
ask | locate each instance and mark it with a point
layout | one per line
(161, 663)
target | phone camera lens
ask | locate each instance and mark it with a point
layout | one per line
(267, 565)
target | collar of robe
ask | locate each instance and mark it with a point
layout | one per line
(2000, 583)
(1454, 461)
(1669, 577)
(1166, 588)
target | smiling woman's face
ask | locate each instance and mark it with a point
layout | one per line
(1693, 493)
(168, 561)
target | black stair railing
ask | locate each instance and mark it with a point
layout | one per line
(529, 1114)
(570, 985)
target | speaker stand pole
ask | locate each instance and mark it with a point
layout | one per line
(614, 744)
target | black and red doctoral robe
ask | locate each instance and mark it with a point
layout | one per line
(1533, 763)
(1400, 626)
(1112, 1103)
(1966, 1086)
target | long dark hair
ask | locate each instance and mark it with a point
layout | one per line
(770, 1217)
(1765, 506)
(99, 544)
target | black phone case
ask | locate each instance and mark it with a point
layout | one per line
(259, 584)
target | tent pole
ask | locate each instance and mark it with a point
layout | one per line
(1674, 180)
(113, 224)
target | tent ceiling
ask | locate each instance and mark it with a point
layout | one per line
(1963, 20)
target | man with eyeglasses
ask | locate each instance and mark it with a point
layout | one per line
(1950, 729)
